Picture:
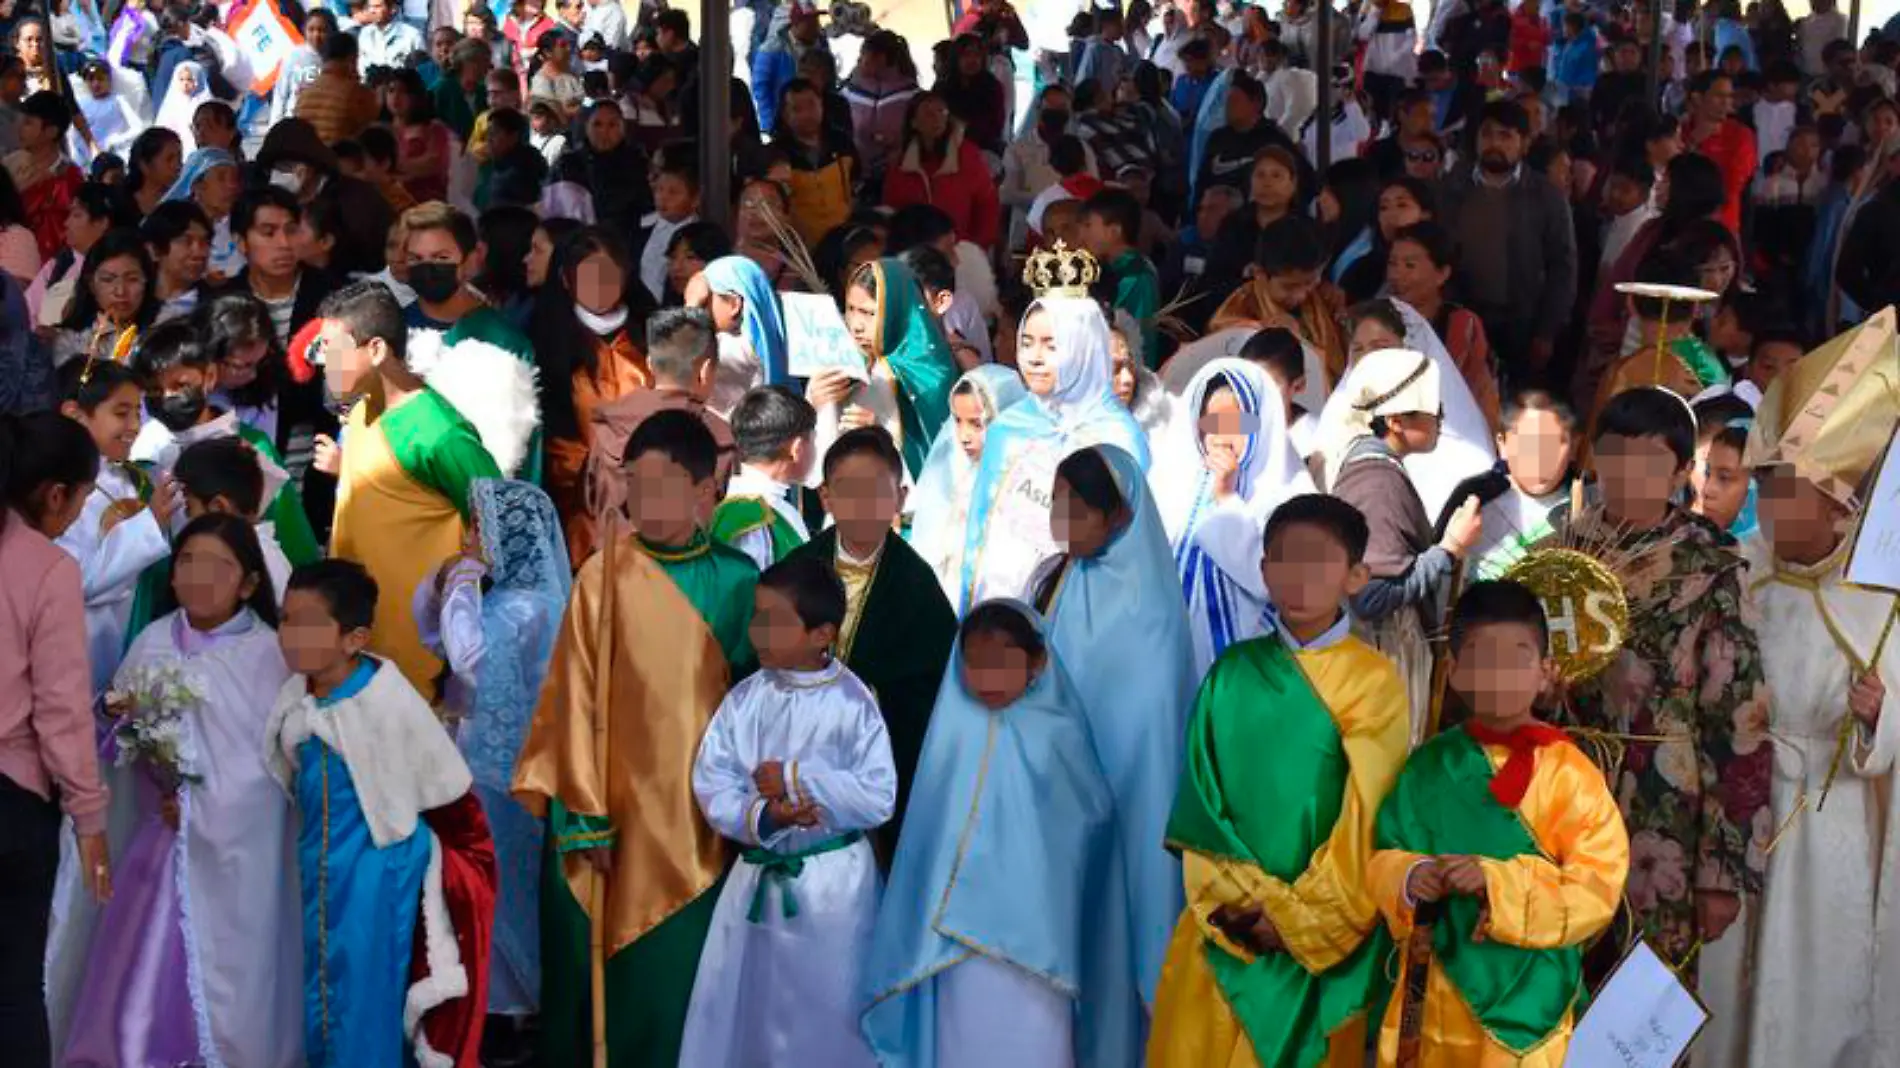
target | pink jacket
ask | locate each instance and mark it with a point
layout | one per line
(960, 184)
(46, 733)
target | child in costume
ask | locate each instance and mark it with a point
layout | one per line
(1823, 968)
(795, 768)
(1011, 808)
(940, 504)
(223, 475)
(180, 374)
(195, 957)
(1684, 697)
(125, 526)
(1511, 836)
(655, 630)
(772, 428)
(1115, 616)
(1538, 446)
(898, 626)
(492, 612)
(1296, 738)
(397, 867)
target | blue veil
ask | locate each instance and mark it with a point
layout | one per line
(200, 163)
(1009, 850)
(941, 495)
(1120, 625)
(1080, 411)
(736, 276)
(521, 615)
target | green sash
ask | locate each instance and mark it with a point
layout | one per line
(784, 870)
(1443, 805)
(1701, 361)
(738, 516)
(1257, 712)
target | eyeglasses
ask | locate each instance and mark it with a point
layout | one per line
(1422, 155)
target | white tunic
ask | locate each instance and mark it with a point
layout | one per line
(1828, 965)
(749, 481)
(991, 1014)
(783, 992)
(110, 562)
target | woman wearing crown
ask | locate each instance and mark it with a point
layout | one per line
(1062, 351)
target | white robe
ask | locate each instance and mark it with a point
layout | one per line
(241, 904)
(783, 992)
(991, 1014)
(1827, 968)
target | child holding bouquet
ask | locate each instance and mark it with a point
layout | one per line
(196, 956)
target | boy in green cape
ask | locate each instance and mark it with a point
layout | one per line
(654, 634)
(1297, 735)
(898, 626)
(772, 428)
(1510, 837)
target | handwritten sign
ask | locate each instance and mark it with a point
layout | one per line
(1642, 1018)
(265, 38)
(816, 338)
(1874, 560)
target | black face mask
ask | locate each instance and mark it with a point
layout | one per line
(1055, 121)
(180, 411)
(435, 282)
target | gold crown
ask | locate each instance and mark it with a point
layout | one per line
(1061, 271)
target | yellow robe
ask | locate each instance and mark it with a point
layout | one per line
(1565, 897)
(1323, 915)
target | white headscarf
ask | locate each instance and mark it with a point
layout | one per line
(1385, 382)
(177, 107)
(1084, 368)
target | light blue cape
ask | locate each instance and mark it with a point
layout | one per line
(947, 472)
(1009, 850)
(764, 326)
(1118, 622)
(521, 614)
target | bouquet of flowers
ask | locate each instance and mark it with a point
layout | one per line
(150, 703)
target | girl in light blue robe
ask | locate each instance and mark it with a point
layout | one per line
(496, 641)
(1000, 941)
(1117, 620)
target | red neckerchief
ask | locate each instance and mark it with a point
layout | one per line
(1514, 778)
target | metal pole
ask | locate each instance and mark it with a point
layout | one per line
(715, 110)
(1654, 61)
(1853, 22)
(1323, 67)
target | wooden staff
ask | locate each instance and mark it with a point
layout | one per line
(1418, 967)
(597, 879)
(1441, 661)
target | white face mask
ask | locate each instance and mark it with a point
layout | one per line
(600, 324)
(289, 181)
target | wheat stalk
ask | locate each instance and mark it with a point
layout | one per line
(793, 247)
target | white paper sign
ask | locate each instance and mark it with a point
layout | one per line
(1875, 558)
(816, 338)
(1642, 1018)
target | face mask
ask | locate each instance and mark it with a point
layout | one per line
(1055, 120)
(602, 325)
(286, 181)
(435, 282)
(180, 411)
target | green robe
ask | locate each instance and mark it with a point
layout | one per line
(913, 343)
(649, 982)
(900, 648)
(1138, 292)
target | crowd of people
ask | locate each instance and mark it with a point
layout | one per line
(456, 609)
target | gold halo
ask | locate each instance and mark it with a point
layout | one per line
(1585, 604)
